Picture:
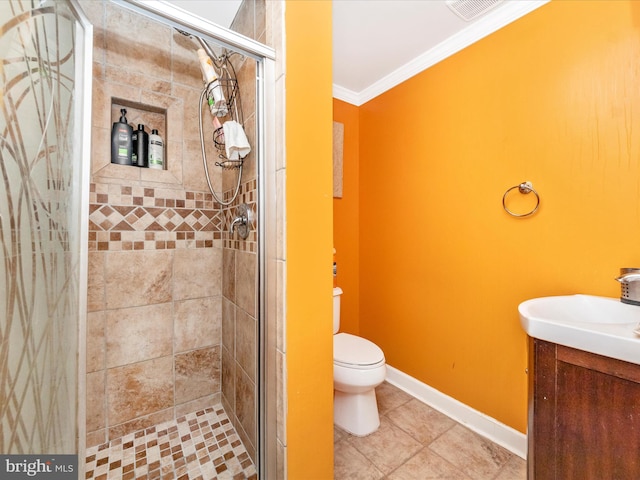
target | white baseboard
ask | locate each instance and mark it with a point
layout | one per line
(499, 433)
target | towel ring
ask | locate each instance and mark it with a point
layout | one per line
(524, 188)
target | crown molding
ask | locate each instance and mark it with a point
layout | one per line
(346, 95)
(509, 12)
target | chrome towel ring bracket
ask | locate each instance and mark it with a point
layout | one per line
(524, 188)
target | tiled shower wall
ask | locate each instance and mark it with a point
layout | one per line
(240, 262)
(158, 244)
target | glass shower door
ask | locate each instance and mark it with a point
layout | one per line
(43, 184)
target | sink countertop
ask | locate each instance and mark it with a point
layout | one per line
(600, 325)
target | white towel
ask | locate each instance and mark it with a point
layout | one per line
(235, 141)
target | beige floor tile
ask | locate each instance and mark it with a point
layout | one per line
(388, 447)
(390, 397)
(420, 421)
(515, 469)
(416, 442)
(476, 456)
(427, 465)
(350, 464)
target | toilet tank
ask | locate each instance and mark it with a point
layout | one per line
(337, 291)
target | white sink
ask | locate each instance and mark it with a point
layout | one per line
(595, 324)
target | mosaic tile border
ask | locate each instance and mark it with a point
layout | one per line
(125, 217)
(198, 446)
(248, 193)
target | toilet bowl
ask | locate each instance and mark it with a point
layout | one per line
(358, 368)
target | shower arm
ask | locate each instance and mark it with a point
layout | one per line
(207, 49)
(205, 46)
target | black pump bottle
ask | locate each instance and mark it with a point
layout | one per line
(140, 155)
(121, 142)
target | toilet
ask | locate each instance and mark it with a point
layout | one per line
(358, 368)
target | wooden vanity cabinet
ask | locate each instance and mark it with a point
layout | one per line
(584, 415)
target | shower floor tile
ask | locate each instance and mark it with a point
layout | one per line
(198, 446)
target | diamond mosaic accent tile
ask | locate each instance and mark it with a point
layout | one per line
(120, 219)
(123, 217)
(198, 446)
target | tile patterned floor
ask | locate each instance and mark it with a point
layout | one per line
(416, 442)
(199, 446)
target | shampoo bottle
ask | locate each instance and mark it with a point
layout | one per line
(140, 140)
(156, 151)
(121, 142)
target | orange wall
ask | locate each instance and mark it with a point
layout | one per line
(553, 98)
(309, 355)
(346, 237)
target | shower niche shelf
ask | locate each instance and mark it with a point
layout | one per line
(151, 116)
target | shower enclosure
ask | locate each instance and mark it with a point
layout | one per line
(178, 319)
(45, 51)
(174, 301)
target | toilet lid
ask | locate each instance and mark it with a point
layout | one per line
(351, 351)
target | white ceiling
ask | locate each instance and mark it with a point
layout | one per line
(378, 44)
(220, 12)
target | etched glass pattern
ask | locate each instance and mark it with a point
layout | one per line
(39, 228)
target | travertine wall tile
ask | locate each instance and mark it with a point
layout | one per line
(96, 407)
(185, 60)
(244, 22)
(96, 341)
(138, 278)
(148, 54)
(197, 323)
(139, 333)
(228, 381)
(198, 273)
(246, 347)
(229, 274)
(229, 325)
(197, 373)
(139, 389)
(246, 405)
(95, 282)
(118, 73)
(246, 272)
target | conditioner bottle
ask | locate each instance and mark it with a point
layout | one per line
(156, 151)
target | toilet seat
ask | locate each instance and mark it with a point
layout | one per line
(351, 351)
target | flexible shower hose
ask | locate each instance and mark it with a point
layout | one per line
(204, 158)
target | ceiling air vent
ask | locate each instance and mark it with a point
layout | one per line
(470, 9)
